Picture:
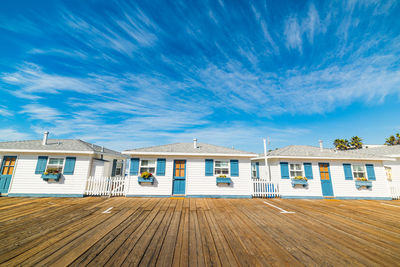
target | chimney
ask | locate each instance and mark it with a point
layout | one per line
(45, 136)
(321, 145)
(195, 143)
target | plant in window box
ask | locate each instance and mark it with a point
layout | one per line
(146, 177)
(222, 179)
(51, 173)
(299, 180)
(363, 182)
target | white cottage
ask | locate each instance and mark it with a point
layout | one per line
(190, 170)
(54, 167)
(329, 173)
(392, 167)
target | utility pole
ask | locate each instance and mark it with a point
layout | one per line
(267, 170)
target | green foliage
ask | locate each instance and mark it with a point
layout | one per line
(222, 176)
(391, 140)
(344, 144)
(356, 142)
(341, 144)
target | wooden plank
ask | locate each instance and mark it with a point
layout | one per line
(79, 245)
(151, 255)
(181, 253)
(166, 255)
(116, 253)
(138, 251)
(209, 250)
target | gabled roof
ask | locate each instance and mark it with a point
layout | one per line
(299, 151)
(55, 146)
(188, 149)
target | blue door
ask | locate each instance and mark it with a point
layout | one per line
(178, 187)
(326, 182)
(7, 169)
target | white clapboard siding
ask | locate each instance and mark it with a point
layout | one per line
(264, 189)
(25, 181)
(106, 186)
(395, 190)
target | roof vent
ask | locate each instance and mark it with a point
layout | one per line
(321, 145)
(195, 143)
(45, 136)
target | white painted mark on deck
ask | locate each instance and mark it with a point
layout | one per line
(108, 210)
(390, 205)
(282, 210)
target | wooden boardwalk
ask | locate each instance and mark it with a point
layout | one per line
(198, 232)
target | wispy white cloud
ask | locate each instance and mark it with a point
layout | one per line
(9, 134)
(40, 112)
(293, 34)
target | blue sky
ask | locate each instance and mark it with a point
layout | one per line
(128, 74)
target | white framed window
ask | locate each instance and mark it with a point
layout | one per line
(147, 165)
(253, 170)
(359, 171)
(56, 164)
(388, 171)
(221, 167)
(295, 170)
(119, 167)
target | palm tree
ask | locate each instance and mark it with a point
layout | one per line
(391, 141)
(398, 138)
(356, 142)
(341, 144)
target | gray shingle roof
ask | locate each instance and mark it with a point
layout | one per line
(203, 148)
(56, 145)
(311, 151)
(382, 150)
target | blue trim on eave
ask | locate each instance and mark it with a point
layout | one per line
(303, 197)
(43, 195)
(219, 196)
(365, 198)
(149, 196)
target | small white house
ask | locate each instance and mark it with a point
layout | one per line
(191, 170)
(329, 173)
(54, 167)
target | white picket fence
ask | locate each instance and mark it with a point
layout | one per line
(265, 189)
(106, 186)
(395, 190)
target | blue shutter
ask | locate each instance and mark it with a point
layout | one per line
(161, 167)
(284, 170)
(209, 167)
(234, 167)
(114, 168)
(348, 175)
(134, 166)
(258, 170)
(370, 172)
(308, 171)
(69, 165)
(41, 165)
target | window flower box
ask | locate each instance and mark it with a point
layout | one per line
(53, 176)
(224, 180)
(362, 183)
(299, 180)
(146, 177)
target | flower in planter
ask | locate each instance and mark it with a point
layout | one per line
(146, 175)
(222, 176)
(51, 171)
(362, 179)
(300, 178)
